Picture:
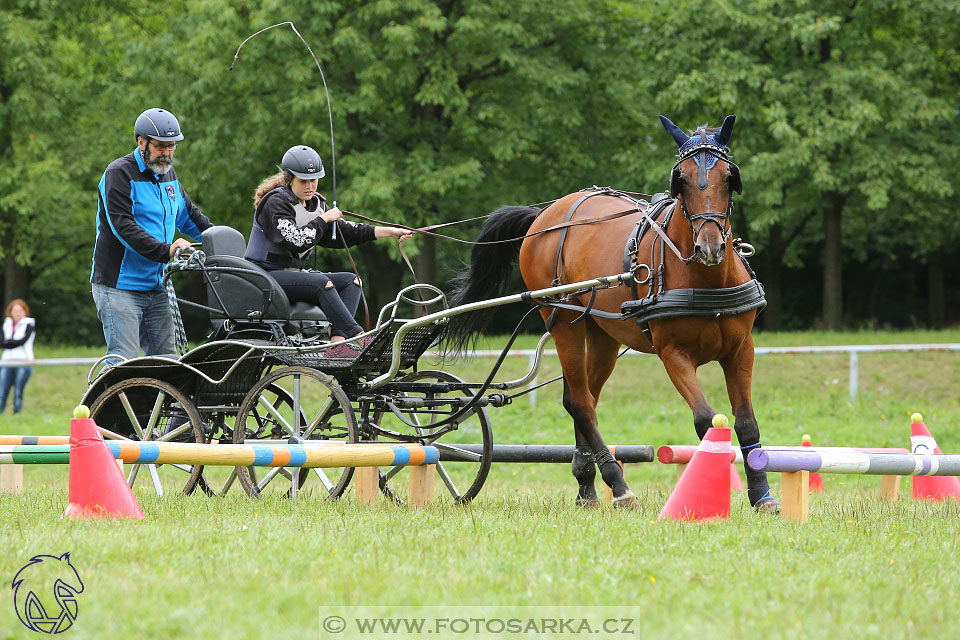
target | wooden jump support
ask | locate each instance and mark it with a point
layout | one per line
(795, 467)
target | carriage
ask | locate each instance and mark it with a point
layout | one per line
(263, 376)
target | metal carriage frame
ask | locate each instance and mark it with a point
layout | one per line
(281, 388)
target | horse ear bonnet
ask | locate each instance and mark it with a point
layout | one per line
(723, 137)
(685, 142)
(680, 138)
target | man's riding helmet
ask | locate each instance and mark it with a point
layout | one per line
(158, 124)
(303, 162)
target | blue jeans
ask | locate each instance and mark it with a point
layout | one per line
(133, 320)
(15, 377)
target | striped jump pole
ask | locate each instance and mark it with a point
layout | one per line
(520, 453)
(33, 440)
(682, 453)
(235, 455)
(855, 462)
(795, 468)
(514, 453)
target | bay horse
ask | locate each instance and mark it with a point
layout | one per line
(699, 307)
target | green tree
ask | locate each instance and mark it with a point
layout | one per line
(59, 63)
(442, 110)
(843, 116)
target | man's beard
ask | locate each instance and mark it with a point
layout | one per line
(160, 165)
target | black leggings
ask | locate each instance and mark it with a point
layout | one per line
(338, 302)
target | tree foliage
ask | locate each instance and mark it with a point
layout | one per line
(444, 110)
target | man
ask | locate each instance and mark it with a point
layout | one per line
(141, 205)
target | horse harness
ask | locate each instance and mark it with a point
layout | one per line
(659, 302)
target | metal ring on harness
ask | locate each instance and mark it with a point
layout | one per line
(745, 249)
(636, 267)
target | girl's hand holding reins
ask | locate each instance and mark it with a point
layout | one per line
(402, 235)
(331, 215)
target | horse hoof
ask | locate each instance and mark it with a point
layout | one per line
(769, 506)
(627, 501)
(588, 503)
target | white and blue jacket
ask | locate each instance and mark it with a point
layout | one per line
(138, 213)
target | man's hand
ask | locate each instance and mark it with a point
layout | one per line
(179, 243)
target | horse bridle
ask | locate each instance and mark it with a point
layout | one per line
(720, 218)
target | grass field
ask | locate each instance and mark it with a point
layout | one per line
(232, 567)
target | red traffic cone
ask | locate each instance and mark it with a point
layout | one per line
(97, 487)
(816, 480)
(929, 487)
(703, 491)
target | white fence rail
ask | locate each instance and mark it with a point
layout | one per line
(854, 351)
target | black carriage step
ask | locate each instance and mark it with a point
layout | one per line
(556, 453)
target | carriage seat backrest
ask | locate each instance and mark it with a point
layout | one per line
(223, 241)
(239, 286)
(245, 290)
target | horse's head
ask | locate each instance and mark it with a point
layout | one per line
(705, 186)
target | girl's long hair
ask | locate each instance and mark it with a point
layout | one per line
(282, 178)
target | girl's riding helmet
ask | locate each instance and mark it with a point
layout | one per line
(303, 162)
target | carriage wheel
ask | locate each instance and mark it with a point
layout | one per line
(219, 481)
(462, 472)
(145, 409)
(302, 403)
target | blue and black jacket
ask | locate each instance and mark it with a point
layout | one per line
(138, 213)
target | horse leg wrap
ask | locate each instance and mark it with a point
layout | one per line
(612, 473)
(585, 471)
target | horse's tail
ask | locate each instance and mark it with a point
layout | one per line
(487, 277)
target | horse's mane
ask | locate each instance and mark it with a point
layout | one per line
(704, 128)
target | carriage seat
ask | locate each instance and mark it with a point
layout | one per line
(243, 291)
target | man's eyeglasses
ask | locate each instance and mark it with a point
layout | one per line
(170, 146)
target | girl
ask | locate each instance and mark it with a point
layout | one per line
(290, 219)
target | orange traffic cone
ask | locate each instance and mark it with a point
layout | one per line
(816, 480)
(929, 487)
(97, 487)
(703, 491)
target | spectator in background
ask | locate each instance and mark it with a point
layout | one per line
(17, 344)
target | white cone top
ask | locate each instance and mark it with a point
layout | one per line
(923, 444)
(717, 440)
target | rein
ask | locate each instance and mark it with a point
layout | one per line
(640, 207)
